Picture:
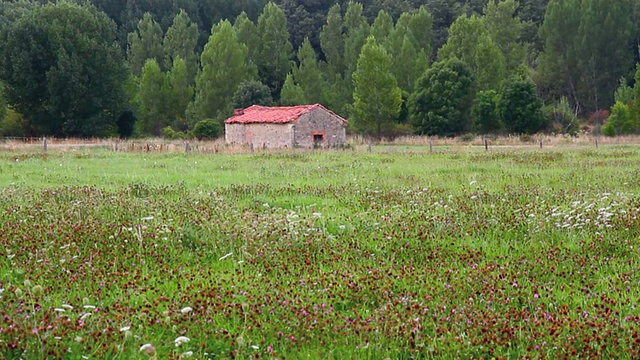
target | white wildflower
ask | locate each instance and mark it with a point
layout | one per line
(181, 340)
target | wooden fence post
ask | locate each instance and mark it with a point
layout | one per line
(430, 144)
(187, 147)
(486, 144)
(45, 144)
(540, 140)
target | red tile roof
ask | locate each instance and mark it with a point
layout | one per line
(274, 115)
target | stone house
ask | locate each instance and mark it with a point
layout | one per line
(286, 127)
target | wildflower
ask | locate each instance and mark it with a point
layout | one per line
(125, 328)
(186, 309)
(181, 340)
(186, 354)
(147, 218)
(148, 349)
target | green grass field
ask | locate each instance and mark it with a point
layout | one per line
(401, 254)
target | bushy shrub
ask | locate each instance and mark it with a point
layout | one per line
(207, 129)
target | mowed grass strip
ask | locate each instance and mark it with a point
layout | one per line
(400, 254)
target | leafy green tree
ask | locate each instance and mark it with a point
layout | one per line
(377, 97)
(153, 100)
(274, 59)
(490, 66)
(421, 27)
(180, 41)
(357, 30)
(382, 27)
(292, 93)
(558, 63)
(63, 70)
(620, 122)
(442, 99)
(485, 111)
(180, 93)
(252, 92)
(224, 67)
(464, 36)
(145, 43)
(605, 36)
(444, 13)
(247, 32)
(332, 41)
(308, 75)
(505, 28)
(409, 64)
(520, 108)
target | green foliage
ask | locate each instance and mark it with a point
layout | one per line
(180, 41)
(520, 108)
(252, 92)
(382, 27)
(274, 56)
(63, 70)
(332, 42)
(605, 35)
(490, 64)
(308, 75)
(215, 87)
(179, 92)
(169, 133)
(442, 99)
(247, 32)
(153, 100)
(291, 93)
(558, 63)
(377, 97)
(487, 120)
(207, 129)
(13, 124)
(464, 37)
(624, 93)
(421, 28)
(145, 43)
(620, 122)
(563, 119)
(505, 28)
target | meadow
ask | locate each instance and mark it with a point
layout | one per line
(399, 253)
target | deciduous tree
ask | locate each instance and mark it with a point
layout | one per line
(145, 43)
(442, 100)
(377, 97)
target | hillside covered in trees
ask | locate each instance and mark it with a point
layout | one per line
(436, 67)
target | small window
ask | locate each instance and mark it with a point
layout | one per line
(318, 138)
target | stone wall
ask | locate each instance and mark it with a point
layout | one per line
(261, 135)
(324, 125)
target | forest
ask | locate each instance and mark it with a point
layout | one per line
(178, 68)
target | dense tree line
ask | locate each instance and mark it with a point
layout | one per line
(434, 67)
